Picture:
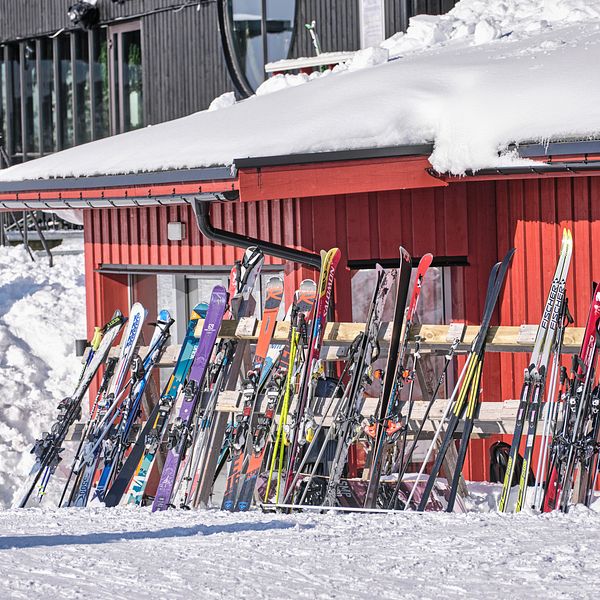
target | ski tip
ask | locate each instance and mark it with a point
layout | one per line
(404, 254)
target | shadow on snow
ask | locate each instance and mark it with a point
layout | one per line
(35, 541)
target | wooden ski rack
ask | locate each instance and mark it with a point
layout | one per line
(432, 338)
(495, 417)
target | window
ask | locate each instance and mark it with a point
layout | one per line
(65, 87)
(54, 93)
(126, 78)
(81, 87)
(255, 32)
(14, 139)
(47, 96)
(31, 98)
(99, 83)
(434, 308)
(199, 287)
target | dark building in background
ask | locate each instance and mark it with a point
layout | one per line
(149, 61)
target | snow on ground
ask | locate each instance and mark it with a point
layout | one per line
(131, 553)
(42, 312)
(488, 74)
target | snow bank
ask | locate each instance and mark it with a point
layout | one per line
(483, 76)
(475, 22)
(122, 553)
(42, 312)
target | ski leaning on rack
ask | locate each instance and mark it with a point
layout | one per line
(49, 447)
(90, 451)
(534, 382)
(387, 404)
(122, 424)
(191, 395)
(301, 314)
(569, 445)
(136, 467)
(468, 398)
(304, 300)
(312, 365)
(347, 422)
(251, 388)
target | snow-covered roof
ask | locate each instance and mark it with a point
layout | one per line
(487, 74)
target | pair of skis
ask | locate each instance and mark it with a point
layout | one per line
(312, 370)
(49, 447)
(107, 402)
(136, 469)
(534, 383)
(575, 442)
(265, 357)
(244, 275)
(465, 401)
(388, 422)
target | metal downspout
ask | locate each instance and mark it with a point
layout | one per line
(202, 212)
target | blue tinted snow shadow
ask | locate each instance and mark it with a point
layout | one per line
(35, 541)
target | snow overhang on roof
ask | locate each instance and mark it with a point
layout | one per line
(289, 176)
(261, 178)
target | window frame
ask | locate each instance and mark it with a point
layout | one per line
(15, 118)
(116, 93)
(236, 71)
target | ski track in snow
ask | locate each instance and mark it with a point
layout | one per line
(128, 553)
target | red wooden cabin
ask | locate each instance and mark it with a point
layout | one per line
(367, 203)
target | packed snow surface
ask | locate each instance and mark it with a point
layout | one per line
(485, 75)
(42, 313)
(131, 553)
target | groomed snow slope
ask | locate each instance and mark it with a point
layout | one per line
(42, 312)
(486, 75)
(123, 554)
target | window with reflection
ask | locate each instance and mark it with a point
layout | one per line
(261, 31)
(3, 102)
(65, 86)
(81, 78)
(31, 97)
(127, 107)
(14, 87)
(100, 88)
(47, 96)
(131, 55)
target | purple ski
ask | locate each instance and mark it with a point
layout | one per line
(181, 427)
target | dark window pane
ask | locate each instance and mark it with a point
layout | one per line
(280, 25)
(131, 55)
(3, 101)
(246, 16)
(262, 32)
(116, 105)
(48, 93)
(66, 91)
(100, 83)
(82, 88)
(31, 100)
(14, 76)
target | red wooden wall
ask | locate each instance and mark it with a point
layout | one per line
(479, 220)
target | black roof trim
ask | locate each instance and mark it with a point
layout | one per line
(317, 157)
(541, 169)
(558, 148)
(130, 269)
(107, 181)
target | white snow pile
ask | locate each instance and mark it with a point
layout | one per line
(42, 312)
(122, 553)
(487, 74)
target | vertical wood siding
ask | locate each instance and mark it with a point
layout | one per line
(479, 220)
